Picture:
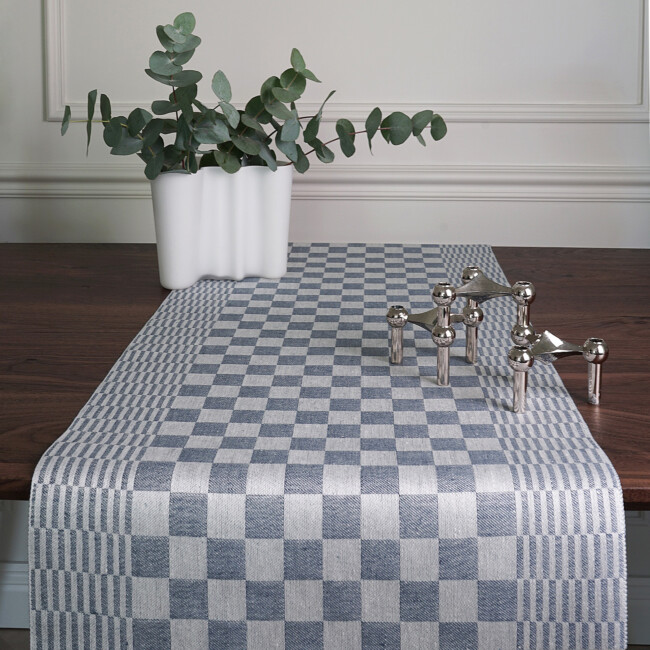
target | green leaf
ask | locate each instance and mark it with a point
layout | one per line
(183, 78)
(247, 145)
(105, 108)
(162, 107)
(165, 41)
(191, 42)
(207, 160)
(291, 128)
(212, 133)
(255, 108)
(231, 113)
(252, 123)
(396, 128)
(92, 99)
(138, 119)
(160, 63)
(372, 125)
(271, 104)
(185, 23)
(192, 164)
(438, 128)
(308, 74)
(293, 86)
(154, 166)
(221, 86)
(174, 34)
(185, 96)
(183, 135)
(127, 146)
(323, 152)
(114, 130)
(345, 131)
(183, 57)
(297, 62)
(152, 131)
(421, 140)
(421, 120)
(268, 156)
(289, 149)
(311, 130)
(173, 157)
(279, 110)
(66, 120)
(202, 107)
(227, 161)
(302, 163)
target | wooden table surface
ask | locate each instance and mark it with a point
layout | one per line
(67, 311)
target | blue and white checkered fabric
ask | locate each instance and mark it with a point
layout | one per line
(253, 473)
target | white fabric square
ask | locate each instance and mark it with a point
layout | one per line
(227, 600)
(458, 600)
(303, 600)
(227, 516)
(380, 601)
(264, 559)
(497, 558)
(188, 558)
(457, 515)
(380, 516)
(419, 559)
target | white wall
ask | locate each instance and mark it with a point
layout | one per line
(547, 106)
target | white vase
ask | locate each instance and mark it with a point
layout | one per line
(218, 225)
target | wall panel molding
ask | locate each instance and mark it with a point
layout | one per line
(357, 182)
(56, 87)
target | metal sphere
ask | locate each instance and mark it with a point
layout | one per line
(443, 294)
(469, 273)
(472, 316)
(443, 336)
(595, 350)
(522, 334)
(397, 316)
(523, 292)
(520, 358)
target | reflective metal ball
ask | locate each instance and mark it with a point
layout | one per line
(469, 273)
(397, 316)
(443, 294)
(443, 336)
(472, 316)
(520, 358)
(522, 334)
(595, 350)
(523, 292)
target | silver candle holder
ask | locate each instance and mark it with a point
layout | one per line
(476, 288)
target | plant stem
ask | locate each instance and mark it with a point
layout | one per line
(384, 128)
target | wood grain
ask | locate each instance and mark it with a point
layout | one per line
(67, 311)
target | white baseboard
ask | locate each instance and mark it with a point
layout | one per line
(14, 595)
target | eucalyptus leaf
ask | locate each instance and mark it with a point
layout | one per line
(311, 130)
(128, 145)
(308, 74)
(183, 57)
(66, 120)
(227, 161)
(165, 41)
(278, 109)
(152, 131)
(252, 123)
(221, 86)
(105, 108)
(268, 156)
(247, 145)
(114, 130)
(302, 163)
(291, 128)
(174, 34)
(162, 107)
(183, 78)
(214, 133)
(421, 120)
(190, 43)
(345, 131)
(202, 107)
(438, 128)
(185, 23)
(154, 166)
(372, 125)
(92, 99)
(297, 62)
(396, 128)
(192, 163)
(421, 140)
(323, 152)
(289, 149)
(183, 135)
(173, 157)
(185, 96)
(231, 113)
(160, 63)
(138, 119)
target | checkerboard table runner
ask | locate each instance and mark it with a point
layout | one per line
(253, 473)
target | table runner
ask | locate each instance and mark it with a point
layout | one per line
(253, 473)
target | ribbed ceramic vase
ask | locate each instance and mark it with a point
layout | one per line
(218, 225)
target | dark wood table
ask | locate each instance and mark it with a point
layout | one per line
(67, 311)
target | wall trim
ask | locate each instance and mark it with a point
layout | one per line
(14, 595)
(351, 182)
(638, 111)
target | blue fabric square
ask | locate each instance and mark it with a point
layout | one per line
(226, 559)
(478, 431)
(458, 559)
(188, 599)
(455, 478)
(458, 635)
(414, 458)
(150, 556)
(264, 601)
(265, 517)
(418, 601)
(153, 475)
(238, 442)
(170, 441)
(342, 601)
(303, 479)
(228, 478)
(247, 417)
(303, 559)
(183, 415)
(448, 444)
(341, 517)
(342, 458)
(196, 455)
(300, 636)
(226, 635)
(418, 516)
(270, 456)
(378, 444)
(379, 480)
(188, 515)
(276, 431)
(380, 635)
(442, 417)
(308, 444)
(496, 514)
(343, 431)
(151, 635)
(411, 431)
(497, 600)
(488, 457)
(220, 403)
(312, 417)
(209, 429)
(281, 404)
(380, 559)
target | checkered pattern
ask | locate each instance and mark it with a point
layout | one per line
(254, 474)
